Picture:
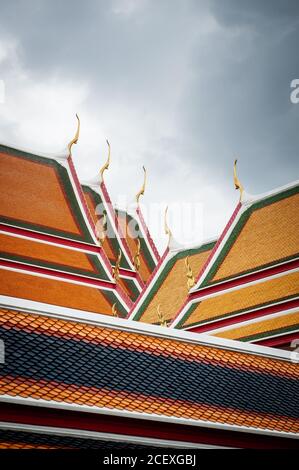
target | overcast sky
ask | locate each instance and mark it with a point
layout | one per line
(179, 86)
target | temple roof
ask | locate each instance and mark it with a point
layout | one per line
(245, 247)
(50, 251)
(252, 268)
(71, 264)
(118, 366)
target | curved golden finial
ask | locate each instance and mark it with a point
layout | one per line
(75, 139)
(106, 166)
(114, 310)
(137, 256)
(237, 182)
(116, 268)
(101, 233)
(166, 227)
(190, 275)
(161, 317)
(141, 192)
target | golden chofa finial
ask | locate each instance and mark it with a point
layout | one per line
(141, 192)
(101, 231)
(137, 256)
(116, 268)
(161, 317)
(75, 139)
(166, 227)
(106, 166)
(190, 275)
(114, 310)
(237, 182)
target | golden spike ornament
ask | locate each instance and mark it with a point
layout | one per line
(116, 268)
(141, 192)
(114, 310)
(76, 137)
(106, 166)
(137, 256)
(101, 233)
(190, 275)
(237, 182)
(166, 227)
(161, 317)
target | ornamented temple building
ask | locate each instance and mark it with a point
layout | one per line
(107, 344)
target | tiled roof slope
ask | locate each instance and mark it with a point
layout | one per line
(243, 299)
(265, 232)
(260, 328)
(252, 268)
(113, 369)
(49, 249)
(168, 285)
(58, 291)
(38, 194)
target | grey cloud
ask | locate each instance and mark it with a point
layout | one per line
(221, 70)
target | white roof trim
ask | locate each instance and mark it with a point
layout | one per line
(262, 318)
(104, 436)
(194, 246)
(249, 199)
(145, 416)
(58, 156)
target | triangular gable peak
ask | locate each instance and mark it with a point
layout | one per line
(253, 267)
(255, 237)
(48, 234)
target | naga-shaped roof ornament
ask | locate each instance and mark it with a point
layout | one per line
(166, 227)
(141, 192)
(237, 182)
(106, 166)
(76, 137)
